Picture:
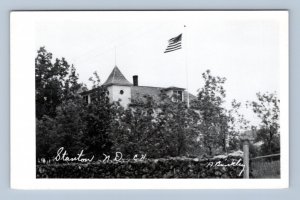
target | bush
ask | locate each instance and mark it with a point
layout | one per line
(150, 168)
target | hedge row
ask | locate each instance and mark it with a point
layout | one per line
(150, 168)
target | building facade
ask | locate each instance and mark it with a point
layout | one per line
(120, 89)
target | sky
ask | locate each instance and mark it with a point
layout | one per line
(243, 47)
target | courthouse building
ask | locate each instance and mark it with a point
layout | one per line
(120, 89)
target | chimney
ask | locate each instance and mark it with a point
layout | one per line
(135, 80)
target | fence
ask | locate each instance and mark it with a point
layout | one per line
(267, 166)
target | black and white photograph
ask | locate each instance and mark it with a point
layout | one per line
(160, 95)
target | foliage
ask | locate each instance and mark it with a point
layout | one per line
(70, 125)
(46, 137)
(267, 109)
(214, 119)
(98, 117)
(58, 105)
(54, 83)
(237, 124)
(158, 129)
(181, 125)
(148, 168)
(76, 126)
(64, 130)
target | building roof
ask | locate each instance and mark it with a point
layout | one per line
(116, 78)
(173, 88)
(142, 91)
(138, 92)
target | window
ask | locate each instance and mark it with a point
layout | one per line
(121, 92)
(86, 99)
(177, 95)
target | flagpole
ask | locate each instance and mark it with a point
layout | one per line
(186, 66)
(115, 56)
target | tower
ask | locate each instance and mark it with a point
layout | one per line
(119, 87)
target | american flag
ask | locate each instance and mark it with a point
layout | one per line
(174, 44)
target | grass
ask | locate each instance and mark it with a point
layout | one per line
(265, 169)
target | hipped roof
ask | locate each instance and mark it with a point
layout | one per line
(116, 78)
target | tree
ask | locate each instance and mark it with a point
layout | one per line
(70, 126)
(49, 82)
(133, 129)
(59, 107)
(267, 109)
(98, 118)
(181, 125)
(71, 86)
(46, 137)
(76, 125)
(214, 121)
(156, 128)
(237, 125)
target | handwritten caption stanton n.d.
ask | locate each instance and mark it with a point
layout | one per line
(62, 155)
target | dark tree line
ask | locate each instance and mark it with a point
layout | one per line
(157, 128)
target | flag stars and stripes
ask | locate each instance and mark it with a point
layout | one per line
(174, 44)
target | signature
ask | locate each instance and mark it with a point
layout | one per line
(232, 164)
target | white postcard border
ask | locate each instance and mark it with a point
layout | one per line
(22, 118)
